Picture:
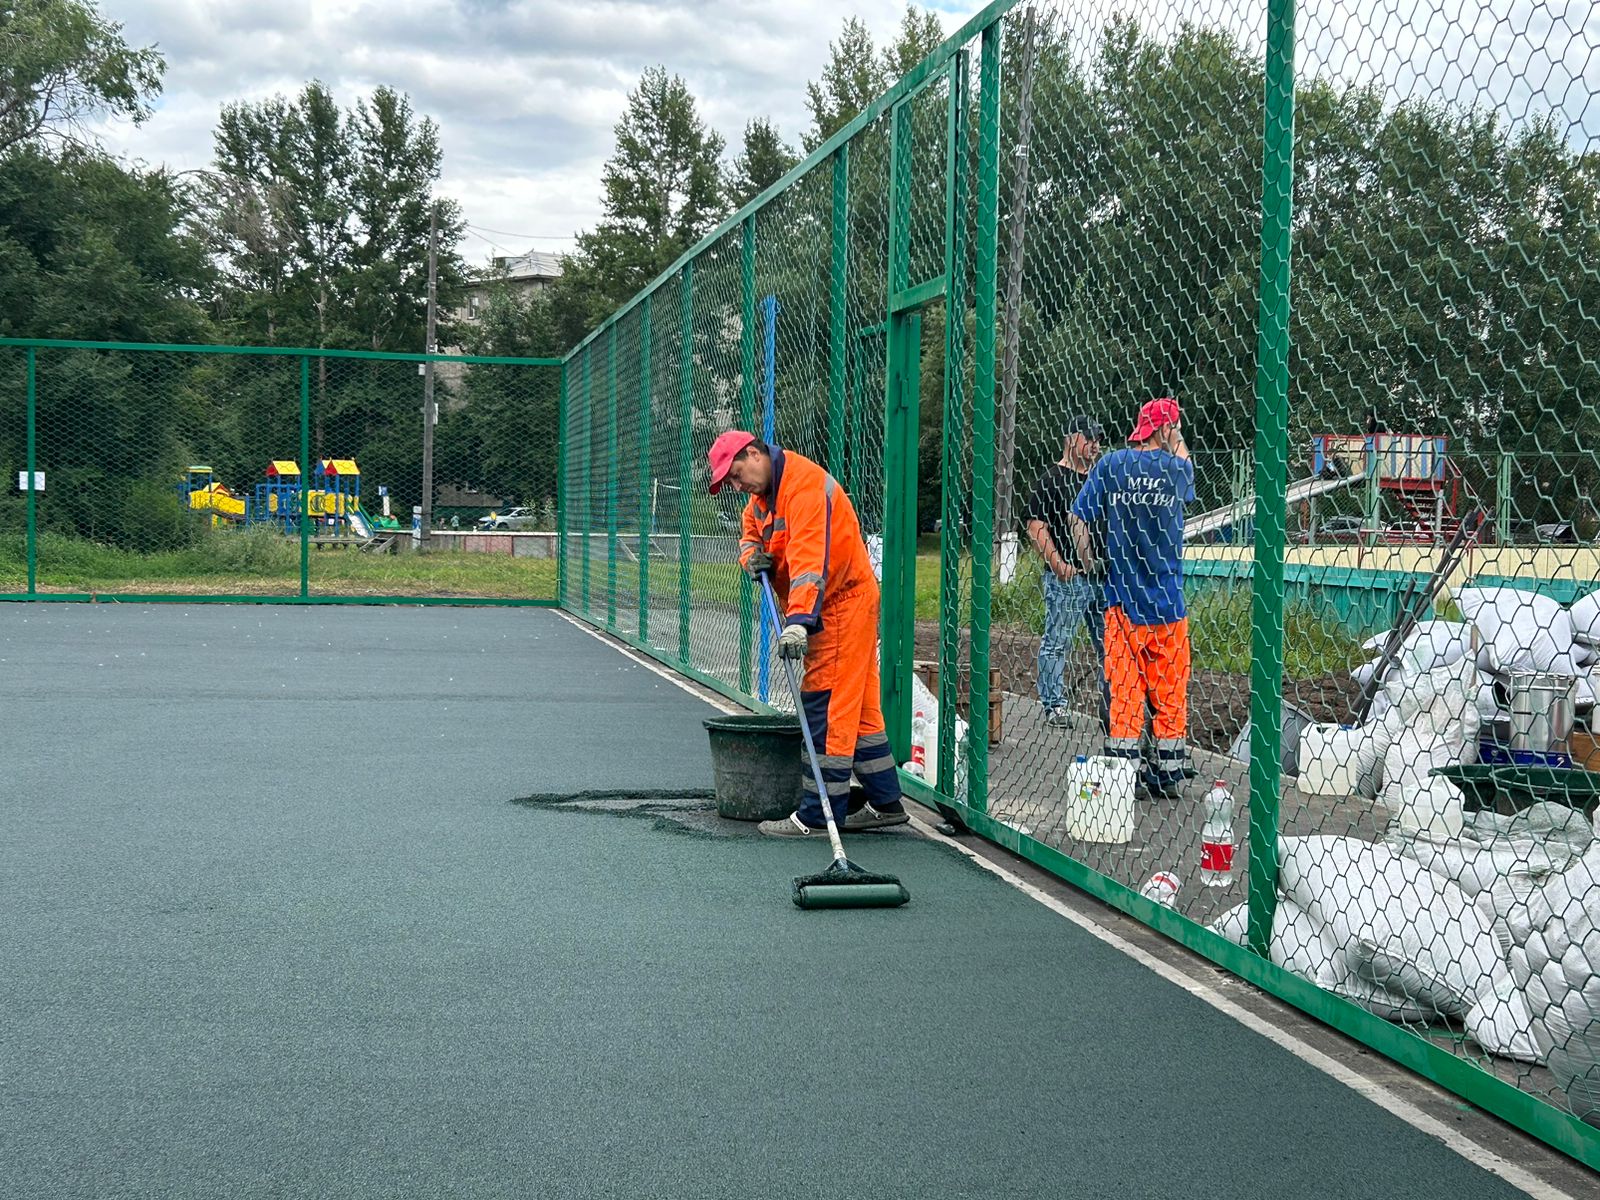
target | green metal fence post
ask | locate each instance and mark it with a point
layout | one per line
(1374, 493)
(747, 420)
(588, 465)
(838, 311)
(563, 430)
(955, 426)
(33, 467)
(611, 480)
(305, 474)
(899, 451)
(645, 478)
(986, 273)
(1502, 500)
(1272, 452)
(685, 453)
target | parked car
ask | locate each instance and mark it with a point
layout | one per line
(1558, 533)
(1410, 533)
(1338, 529)
(512, 518)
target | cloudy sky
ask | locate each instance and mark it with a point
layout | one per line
(526, 92)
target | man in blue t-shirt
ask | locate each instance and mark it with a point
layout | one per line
(1137, 497)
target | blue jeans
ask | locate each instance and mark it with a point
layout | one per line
(1069, 603)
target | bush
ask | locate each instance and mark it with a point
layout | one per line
(259, 550)
(153, 519)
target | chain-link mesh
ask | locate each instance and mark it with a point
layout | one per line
(234, 472)
(960, 311)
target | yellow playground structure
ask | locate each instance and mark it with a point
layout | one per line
(334, 506)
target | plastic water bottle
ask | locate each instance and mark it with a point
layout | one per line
(1162, 887)
(919, 745)
(1216, 837)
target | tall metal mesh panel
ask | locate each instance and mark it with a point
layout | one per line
(1358, 255)
(223, 471)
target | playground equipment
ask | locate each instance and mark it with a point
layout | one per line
(334, 506)
(204, 494)
(1411, 468)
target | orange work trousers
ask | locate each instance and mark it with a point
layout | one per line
(844, 707)
(1148, 665)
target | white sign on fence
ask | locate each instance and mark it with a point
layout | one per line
(22, 481)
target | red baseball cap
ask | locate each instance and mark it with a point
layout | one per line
(723, 451)
(1153, 416)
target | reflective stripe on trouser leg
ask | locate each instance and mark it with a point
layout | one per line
(836, 778)
(1122, 747)
(875, 767)
(1172, 760)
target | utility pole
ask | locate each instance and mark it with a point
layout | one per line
(430, 414)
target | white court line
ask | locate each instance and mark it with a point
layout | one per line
(1377, 1093)
(720, 703)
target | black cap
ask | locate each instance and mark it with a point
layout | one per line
(1086, 425)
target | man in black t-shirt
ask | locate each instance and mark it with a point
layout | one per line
(1072, 596)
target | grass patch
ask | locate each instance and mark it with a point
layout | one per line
(1219, 622)
(261, 561)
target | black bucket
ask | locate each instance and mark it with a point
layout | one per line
(756, 762)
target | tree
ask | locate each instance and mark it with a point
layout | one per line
(919, 36)
(319, 220)
(91, 250)
(397, 162)
(851, 80)
(856, 74)
(511, 414)
(663, 193)
(61, 64)
(766, 158)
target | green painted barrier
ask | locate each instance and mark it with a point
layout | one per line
(1362, 600)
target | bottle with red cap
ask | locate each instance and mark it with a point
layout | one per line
(1216, 837)
(919, 745)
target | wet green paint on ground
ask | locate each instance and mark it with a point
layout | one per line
(275, 927)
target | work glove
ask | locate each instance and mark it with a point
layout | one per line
(759, 563)
(792, 642)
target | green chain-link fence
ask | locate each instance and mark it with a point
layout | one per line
(227, 471)
(1361, 255)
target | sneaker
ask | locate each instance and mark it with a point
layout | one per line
(1058, 717)
(790, 826)
(867, 817)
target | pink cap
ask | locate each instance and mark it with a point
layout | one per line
(723, 451)
(1152, 417)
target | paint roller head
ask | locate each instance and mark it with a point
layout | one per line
(845, 885)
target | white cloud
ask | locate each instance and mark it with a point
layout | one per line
(526, 93)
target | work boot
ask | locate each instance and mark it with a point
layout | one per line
(790, 826)
(867, 817)
(1152, 787)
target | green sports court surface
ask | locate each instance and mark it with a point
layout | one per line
(275, 925)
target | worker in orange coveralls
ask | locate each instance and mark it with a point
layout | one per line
(800, 527)
(1138, 495)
